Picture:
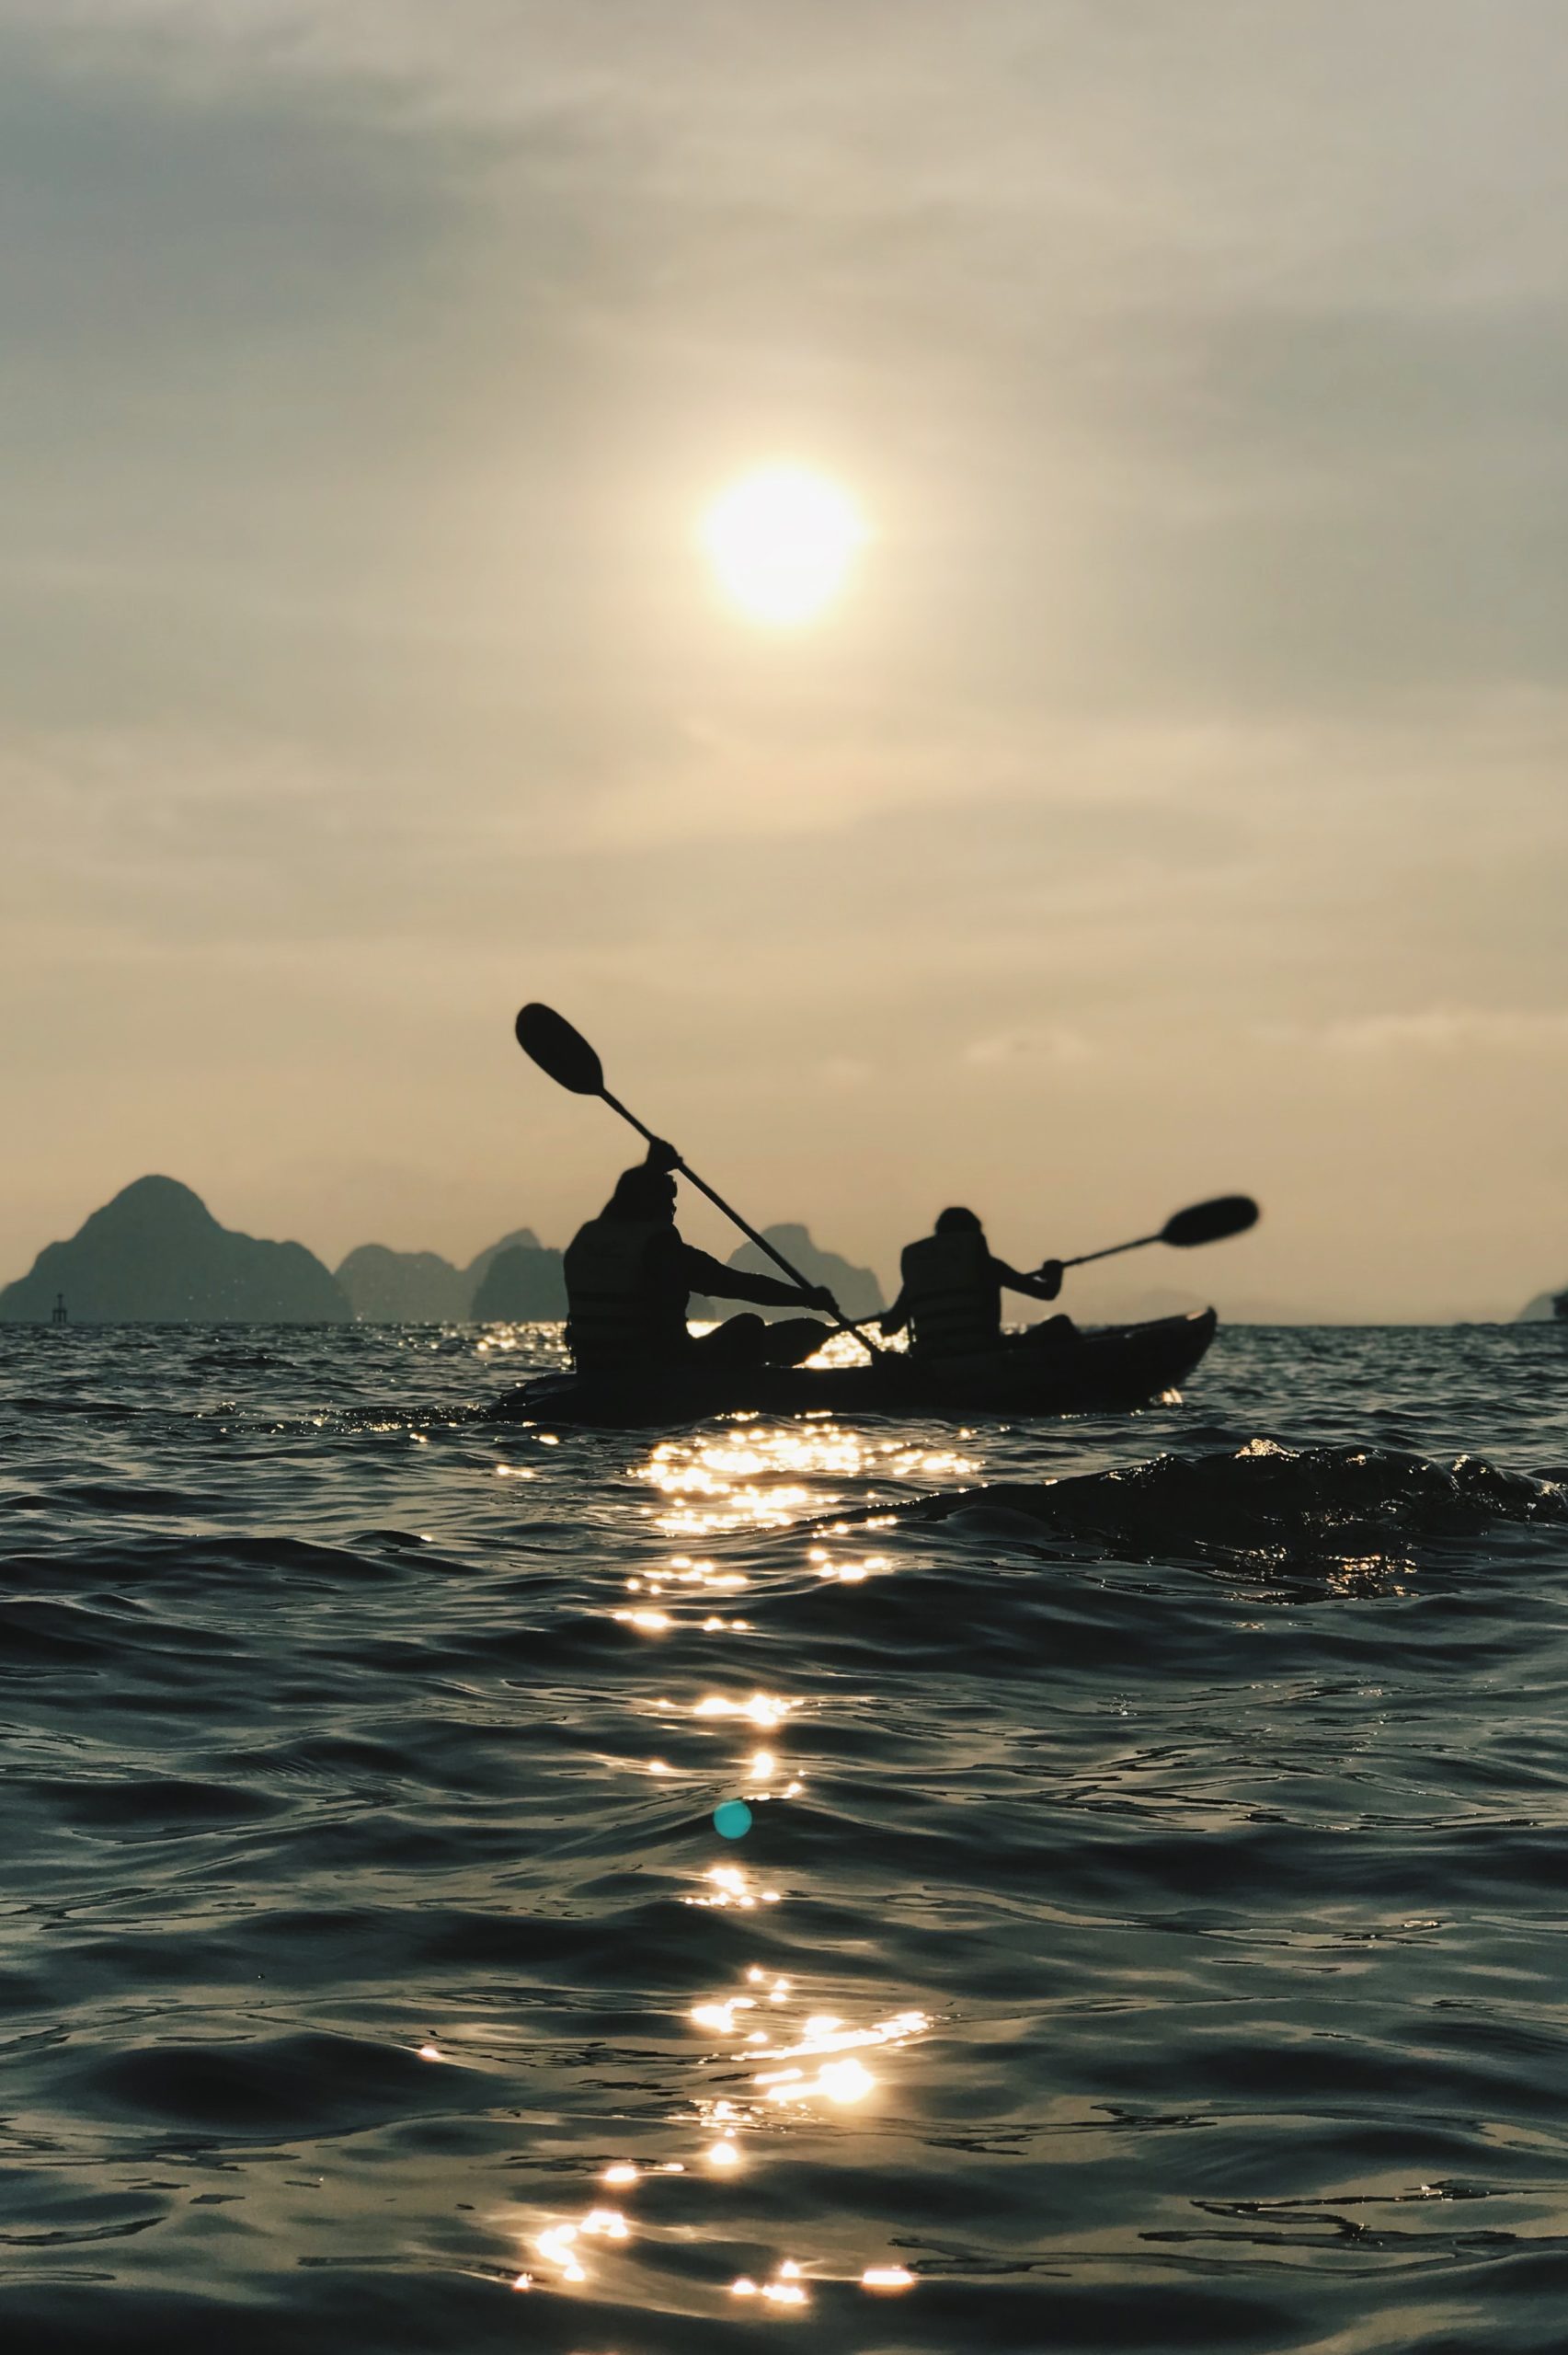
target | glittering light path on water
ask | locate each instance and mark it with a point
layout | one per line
(795, 2062)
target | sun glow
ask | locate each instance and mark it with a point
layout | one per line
(781, 542)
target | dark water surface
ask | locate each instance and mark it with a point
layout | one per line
(1150, 1934)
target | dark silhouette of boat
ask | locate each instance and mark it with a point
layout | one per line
(1106, 1369)
(1560, 1305)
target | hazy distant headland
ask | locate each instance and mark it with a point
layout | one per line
(520, 1279)
(1542, 1308)
(857, 1290)
(420, 1287)
(156, 1256)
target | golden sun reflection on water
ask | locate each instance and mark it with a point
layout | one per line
(785, 2289)
(774, 2069)
(755, 1476)
(742, 2126)
(595, 2251)
(763, 1708)
(840, 2078)
(728, 1885)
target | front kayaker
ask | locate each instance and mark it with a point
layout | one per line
(952, 1293)
(629, 1276)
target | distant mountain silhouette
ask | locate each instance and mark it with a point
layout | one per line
(421, 1288)
(520, 1282)
(857, 1290)
(519, 1279)
(156, 1255)
(401, 1287)
(1542, 1308)
(521, 1238)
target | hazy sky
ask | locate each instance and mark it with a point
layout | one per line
(1177, 802)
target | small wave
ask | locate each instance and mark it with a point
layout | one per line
(1263, 1502)
(126, 1497)
(276, 2086)
(156, 1806)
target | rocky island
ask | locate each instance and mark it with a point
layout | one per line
(857, 1290)
(156, 1256)
(515, 1279)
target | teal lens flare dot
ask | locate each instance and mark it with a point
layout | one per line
(732, 1819)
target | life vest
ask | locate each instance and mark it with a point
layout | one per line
(621, 1312)
(955, 1301)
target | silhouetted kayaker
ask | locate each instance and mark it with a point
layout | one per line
(952, 1292)
(629, 1276)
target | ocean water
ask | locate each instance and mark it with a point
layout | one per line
(1150, 1932)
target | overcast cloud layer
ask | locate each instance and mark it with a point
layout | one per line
(1176, 804)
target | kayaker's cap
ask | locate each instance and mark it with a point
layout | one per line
(957, 1221)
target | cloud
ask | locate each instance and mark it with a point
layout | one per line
(1289, 158)
(1191, 360)
(1058, 1043)
(1440, 1030)
(1188, 759)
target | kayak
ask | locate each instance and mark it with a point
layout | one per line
(1103, 1369)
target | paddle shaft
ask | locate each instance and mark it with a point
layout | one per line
(734, 1215)
(1111, 1249)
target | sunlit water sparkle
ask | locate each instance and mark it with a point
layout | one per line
(1148, 1933)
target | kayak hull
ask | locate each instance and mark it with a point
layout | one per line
(1106, 1369)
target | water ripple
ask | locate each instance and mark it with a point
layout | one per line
(1147, 1934)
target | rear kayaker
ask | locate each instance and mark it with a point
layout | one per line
(1104, 1369)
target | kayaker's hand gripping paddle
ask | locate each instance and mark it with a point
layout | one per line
(548, 1040)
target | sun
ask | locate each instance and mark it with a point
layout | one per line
(782, 542)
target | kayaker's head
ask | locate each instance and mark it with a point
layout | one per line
(642, 1193)
(958, 1222)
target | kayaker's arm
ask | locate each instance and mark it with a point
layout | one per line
(1045, 1283)
(705, 1274)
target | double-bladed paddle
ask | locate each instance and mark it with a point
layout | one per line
(1204, 1222)
(548, 1040)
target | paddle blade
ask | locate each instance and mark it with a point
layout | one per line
(547, 1038)
(1210, 1221)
